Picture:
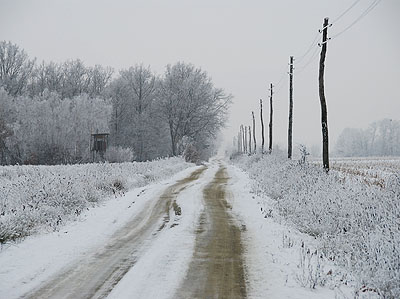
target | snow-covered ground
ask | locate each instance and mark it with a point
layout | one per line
(354, 223)
(276, 255)
(35, 198)
(27, 264)
(276, 261)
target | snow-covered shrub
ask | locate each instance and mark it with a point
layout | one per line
(311, 268)
(191, 154)
(34, 197)
(356, 223)
(118, 154)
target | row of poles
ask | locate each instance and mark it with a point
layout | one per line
(247, 145)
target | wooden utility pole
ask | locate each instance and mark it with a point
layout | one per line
(254, 132)
(290, 129)
(271, 111)
(262, 127)
(243, 141)
(249, 139)
(239, 143)
(324, 112)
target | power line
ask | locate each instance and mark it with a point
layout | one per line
(365, 13)
(298, 60)
(314, 42)
(313, 56)
(345, 12)
(281, 78)
(280, 88)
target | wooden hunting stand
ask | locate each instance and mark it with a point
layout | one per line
(98, 146)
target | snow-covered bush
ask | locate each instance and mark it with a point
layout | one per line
(35, 197)
(118, 154)
(357, 224)
(191, 154)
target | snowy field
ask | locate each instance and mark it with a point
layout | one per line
(378, 171)
(46, 197)
(355, 223)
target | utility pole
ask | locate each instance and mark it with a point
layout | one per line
(254, 132)
(239, 141)
(271, 111)
(243, 141)
(262, 127)
(290, 129)
(249, 139)
(324, 112)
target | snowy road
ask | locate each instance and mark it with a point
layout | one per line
(95, 277)
(215, 270)
(199, 234)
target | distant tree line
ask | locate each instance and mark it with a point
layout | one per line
(49, 110)
(381, 138)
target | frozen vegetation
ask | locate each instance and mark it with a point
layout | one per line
(45, 197)
(381, 138)
(48, 111)
(355, 223)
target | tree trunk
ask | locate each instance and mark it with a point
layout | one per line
(173, 143)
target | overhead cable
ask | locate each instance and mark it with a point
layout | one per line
(365, 13)
(345, 12)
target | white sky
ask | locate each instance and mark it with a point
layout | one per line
(243, 45)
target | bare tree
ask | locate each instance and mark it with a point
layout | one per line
(15, 68)
(99, 77)
(133, 95)
(75, 78)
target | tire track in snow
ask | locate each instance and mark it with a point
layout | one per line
(217, 267)
(96, 276)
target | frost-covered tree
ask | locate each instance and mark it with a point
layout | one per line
(190, 105)
(7, 117)
(99, 77)
(15, 68)
(46, 76)
(134, 121)
(382, 138)
(52, 108)
(52, 130)
(70, 79)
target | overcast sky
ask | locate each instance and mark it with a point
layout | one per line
(243, 45)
